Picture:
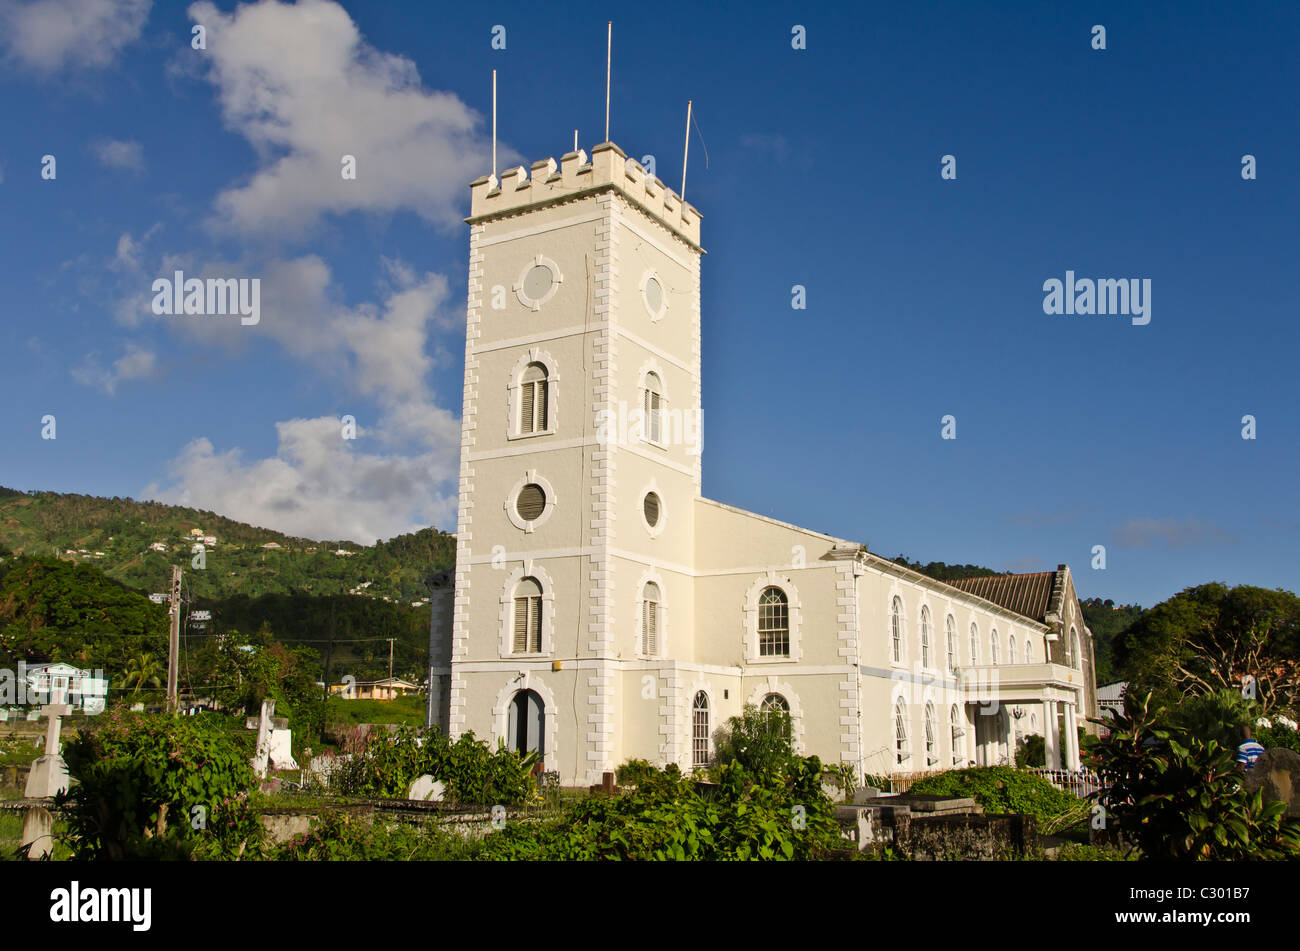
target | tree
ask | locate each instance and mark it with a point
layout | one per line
(1212, 637)
(1176, 796)
(762, 741)
(147, 670)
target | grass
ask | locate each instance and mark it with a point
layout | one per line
(409, 711)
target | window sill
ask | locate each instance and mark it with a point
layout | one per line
(543, 432)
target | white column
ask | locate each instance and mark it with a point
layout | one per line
(1050, 736)
(1071, 738)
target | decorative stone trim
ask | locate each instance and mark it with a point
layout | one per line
(556, 279)
(456, 717)
(771, 685)
(512, 509)
(525, 680)
(655, 530)
(515, 386)
(650, 576)
(528, 569)
(655, 315)
(772, 579)
(850, 687)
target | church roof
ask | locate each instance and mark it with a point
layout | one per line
(1029, 595)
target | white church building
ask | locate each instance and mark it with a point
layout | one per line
(602, 609)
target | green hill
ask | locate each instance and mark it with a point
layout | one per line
(115, 535)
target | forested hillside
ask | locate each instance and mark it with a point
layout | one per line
(116, 535)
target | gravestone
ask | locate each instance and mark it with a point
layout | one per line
(49, 774)
(427, 789)
(1277, 773)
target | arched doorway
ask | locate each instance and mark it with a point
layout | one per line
(525, 728)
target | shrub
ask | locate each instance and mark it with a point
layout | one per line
(744, 817)
(157, 786)
(1031, 751)
(1001, 789)
(1177, 796)
(1278, 736)
(338, 837)
(470, 770)
(761, 741)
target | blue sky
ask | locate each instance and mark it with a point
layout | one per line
(823, 169)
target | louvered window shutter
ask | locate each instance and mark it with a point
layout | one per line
(541, 405)
(535, 627)
(526, 409)
(521, 625)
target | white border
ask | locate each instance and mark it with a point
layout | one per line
(527, 569)
(511, 503)
(556, 280)
(794, 611)
(646, 278)
(515, 388)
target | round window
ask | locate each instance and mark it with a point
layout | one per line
(651, 509)
(654, 296)
(537, 282)
(531, 502)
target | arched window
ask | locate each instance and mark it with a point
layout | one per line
(774, 701)
(957, 733)
(901, 749)
(925, 637)
(896, 631)
(995, 649)
(528, 617)
(653, 408)
(773, 623)
(1011, 649)
(1029, 651)
(700, 730)
(650, 619)
(931, 737)
(532, 400)
(951, 635)
(974, 644)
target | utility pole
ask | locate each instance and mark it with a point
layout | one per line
(174, 641)
(390, 663)
(329, 650)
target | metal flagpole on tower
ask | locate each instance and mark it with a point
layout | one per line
(494, 123)
(686, 152)
(609, 56)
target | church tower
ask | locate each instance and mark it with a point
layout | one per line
(580, 467)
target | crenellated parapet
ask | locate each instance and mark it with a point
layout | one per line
(609, 168)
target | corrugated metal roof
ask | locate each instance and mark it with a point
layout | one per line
(1028, 595)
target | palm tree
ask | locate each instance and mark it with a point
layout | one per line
(144, 671)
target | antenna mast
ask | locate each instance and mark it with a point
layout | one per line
(686, 152)
(609, 57)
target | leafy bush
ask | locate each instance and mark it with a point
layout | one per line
(1031, 751)
(471, 771)
(635, 771)
(744, 817)
(1001, 789)
(1271, 737)
(338, 837)
(156, 786)
(1177, 796)
(761, 741)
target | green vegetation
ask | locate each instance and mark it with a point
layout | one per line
(940, 571)
(1107, 621)
(159, 787)
(1176, 796)
(338, 837)
(742, 818)
(1002, 789)
(759, 740)
(405, 711)
(469, 768)
(1208, 638)
(51, 523)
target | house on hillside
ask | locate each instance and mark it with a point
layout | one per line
(84, 690)
(389, 688)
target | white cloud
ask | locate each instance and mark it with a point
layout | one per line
(301, 84)
(50, 35)
(317, 485)
(118, 154)
(136, 363)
